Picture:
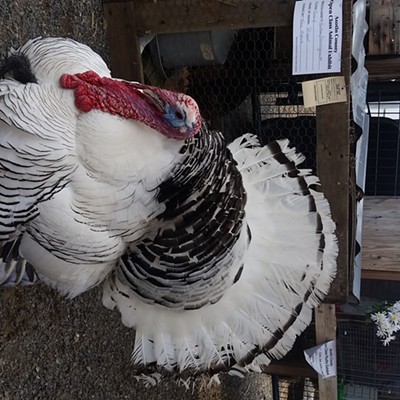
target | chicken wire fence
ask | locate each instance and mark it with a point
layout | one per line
(367, 370)
(383, 165)
(241, 79)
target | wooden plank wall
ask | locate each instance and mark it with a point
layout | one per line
(384, 27)
(381, 238)
(171, 16)
(383, 59)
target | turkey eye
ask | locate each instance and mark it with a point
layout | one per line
(178, 115)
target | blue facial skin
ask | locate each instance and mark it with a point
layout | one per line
(175, 117)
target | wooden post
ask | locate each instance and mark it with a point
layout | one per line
(336, 170)
(126, 62)
(325, 330)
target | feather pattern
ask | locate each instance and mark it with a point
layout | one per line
(64, 185)
(214, 254)
(15, 270)
(279, 266)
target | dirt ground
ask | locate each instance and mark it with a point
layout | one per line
(53, 348)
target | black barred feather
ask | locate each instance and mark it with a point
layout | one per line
(182, 270)
(173, 262)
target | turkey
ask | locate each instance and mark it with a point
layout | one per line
(215, 254)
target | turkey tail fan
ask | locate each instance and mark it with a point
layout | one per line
(288, 263)
(299, 241)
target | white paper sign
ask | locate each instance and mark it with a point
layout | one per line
(324, 91)
(317, 36)
(323, 358)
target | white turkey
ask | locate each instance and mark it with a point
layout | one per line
(214, 254)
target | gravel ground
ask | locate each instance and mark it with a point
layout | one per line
(53, 348)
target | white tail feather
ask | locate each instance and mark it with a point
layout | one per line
(285, 275)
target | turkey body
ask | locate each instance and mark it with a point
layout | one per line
(214, 254)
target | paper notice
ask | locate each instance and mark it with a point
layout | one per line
(317, 36)
(323, 358)
(324, 91)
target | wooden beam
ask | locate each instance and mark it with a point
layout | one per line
(380, 275)
(334, 168)
(282, 368)
(126, 62)
(172, 16)
(383, 68)
(381, 238)
(325, 330)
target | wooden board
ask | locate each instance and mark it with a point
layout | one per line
(125, 56)
(381, 238)
(336, 169)
(325, 330)
(383, 67)
(384, 27)
(282, 368)
(172, 16)
(333, 168)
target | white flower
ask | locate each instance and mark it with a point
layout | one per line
(396, 307)
(388, 339)
(380, 333)
(394, 318)
(378, 316)
(387, 322)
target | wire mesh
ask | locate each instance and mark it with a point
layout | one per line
(297, 388)
(369, 369)
(241, 80)
(384, 148)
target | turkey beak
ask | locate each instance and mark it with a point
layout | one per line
(151, 97)
(148, 94)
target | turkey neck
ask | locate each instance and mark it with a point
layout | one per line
(195, 249)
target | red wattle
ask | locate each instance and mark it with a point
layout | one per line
(84, 103)
(84, 99)
(68, 81)
(129, 100)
